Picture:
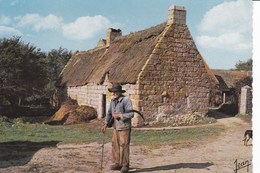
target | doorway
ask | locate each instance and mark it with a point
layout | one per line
(103, 105)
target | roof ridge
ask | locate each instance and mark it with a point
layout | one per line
(132, 34)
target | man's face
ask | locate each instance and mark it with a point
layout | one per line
(115, 95)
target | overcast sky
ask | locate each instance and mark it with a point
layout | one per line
(221, 29)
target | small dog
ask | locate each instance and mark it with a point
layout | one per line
(247, 136)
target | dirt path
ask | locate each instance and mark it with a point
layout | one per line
(217, 156)
(209, 156)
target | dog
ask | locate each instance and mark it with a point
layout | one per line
(247, 136)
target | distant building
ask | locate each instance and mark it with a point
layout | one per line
(231, 83)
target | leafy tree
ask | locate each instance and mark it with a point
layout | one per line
(22, 70)
(27, 75)
(56, 59)
(244, 65)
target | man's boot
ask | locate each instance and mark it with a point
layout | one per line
(124, 169)
(116, 166)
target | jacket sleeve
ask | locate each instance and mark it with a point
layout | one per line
(109, 114)
(127, 106)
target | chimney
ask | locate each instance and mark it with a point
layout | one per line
(112, 34)
(101, 43)
(176, 15)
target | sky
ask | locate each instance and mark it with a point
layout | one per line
(221, 29)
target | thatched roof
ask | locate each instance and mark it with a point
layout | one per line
(228, 78)
(122, 61)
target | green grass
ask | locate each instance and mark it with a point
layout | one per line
(168, 136)
(172, 123)
(85, 133)
(40, 132)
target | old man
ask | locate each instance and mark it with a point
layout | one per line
(121, 122)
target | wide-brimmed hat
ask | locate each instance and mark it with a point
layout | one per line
(116, 87)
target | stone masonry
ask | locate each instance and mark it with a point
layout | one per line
(93, 95)
(175, 73)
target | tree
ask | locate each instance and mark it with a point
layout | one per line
(244, 65)
(28, 75)
(56, 59)
(22, 70)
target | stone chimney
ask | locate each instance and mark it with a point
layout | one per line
(101, 43)
(112, 34)
(177, 15)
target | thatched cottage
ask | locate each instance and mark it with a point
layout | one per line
(157, 66)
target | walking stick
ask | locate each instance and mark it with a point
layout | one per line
(102, 156)
(110, 124)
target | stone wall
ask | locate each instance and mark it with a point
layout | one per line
(93, 95)
(175, 75)
(90, 95)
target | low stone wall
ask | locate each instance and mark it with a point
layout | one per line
(98, 97)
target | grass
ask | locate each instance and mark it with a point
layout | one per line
(90, 132)
(148, 137)
(41, 133)
(181, 122)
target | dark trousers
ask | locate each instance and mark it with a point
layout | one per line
(120, 147)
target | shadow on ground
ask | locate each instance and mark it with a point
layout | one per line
(175, 166)
(17, 153)
(224, 111)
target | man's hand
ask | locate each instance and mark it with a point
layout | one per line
(103, 128)
(116, 116)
